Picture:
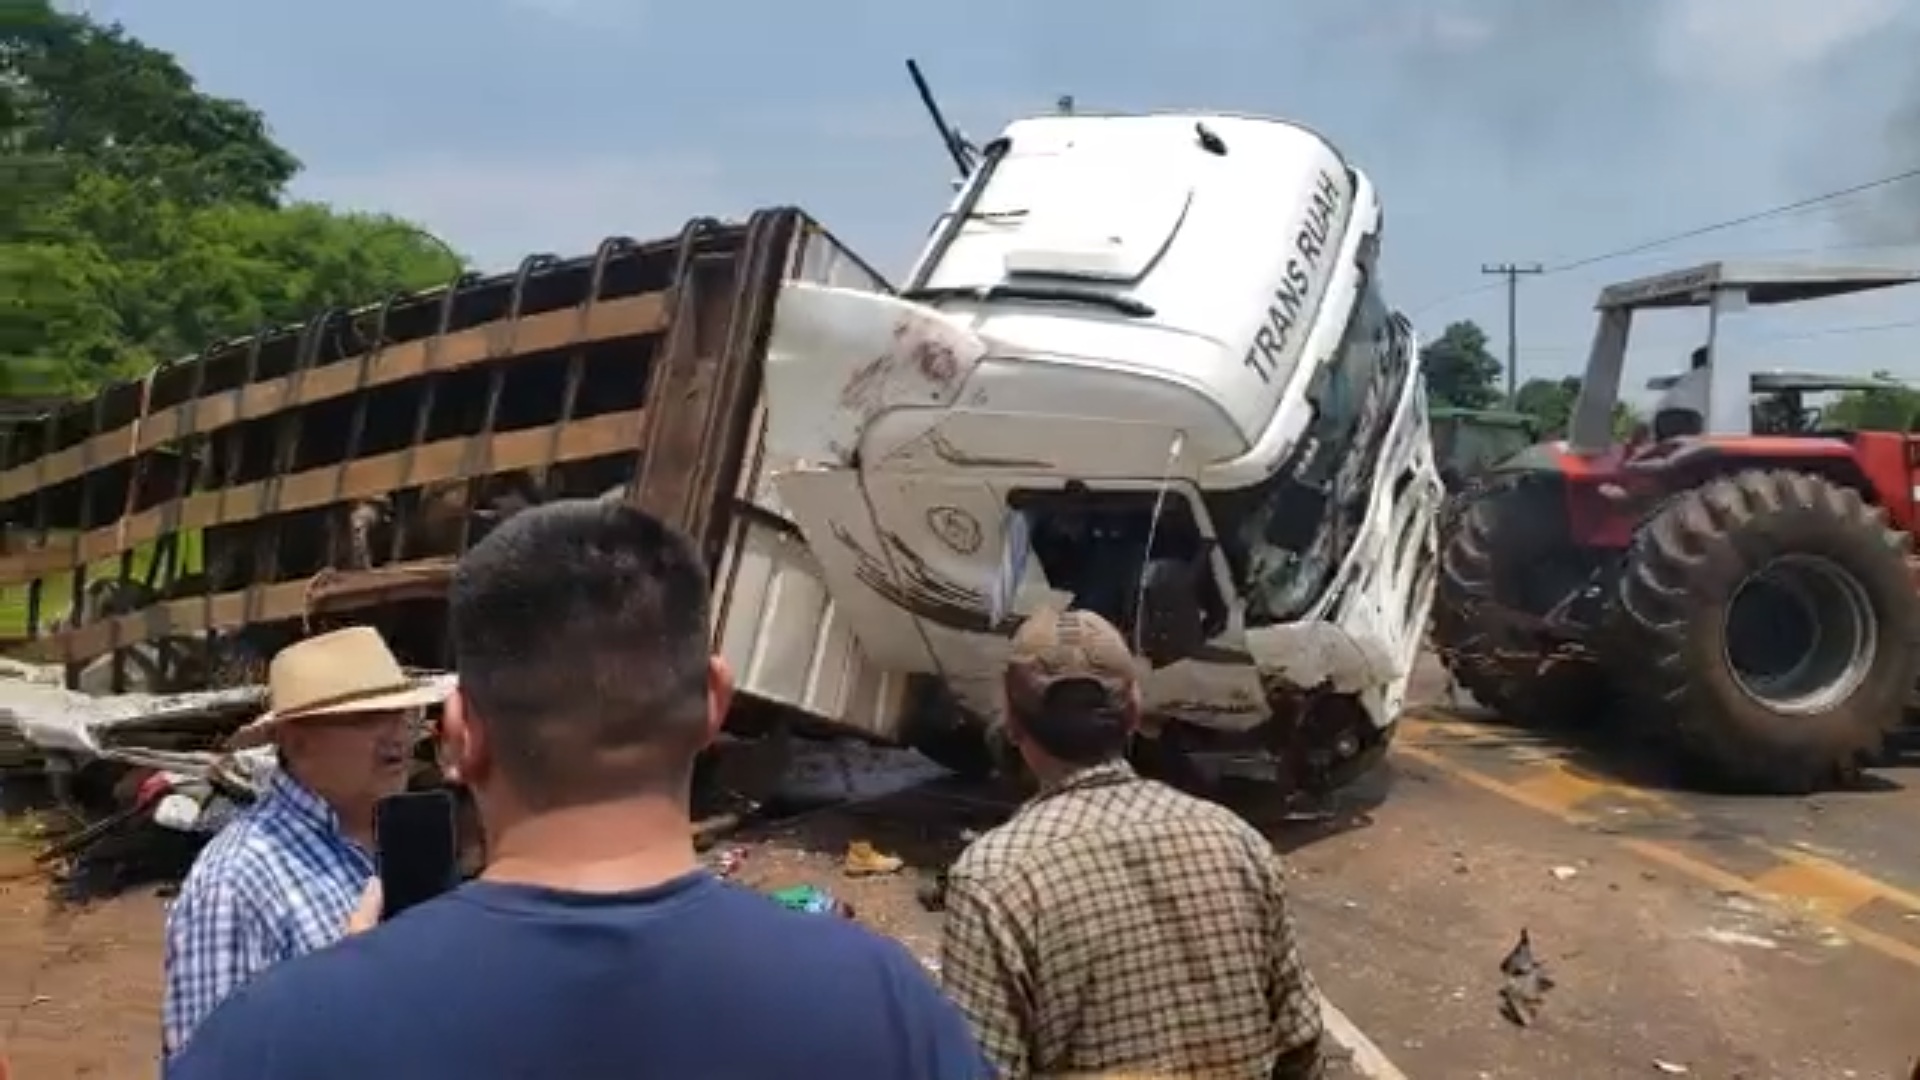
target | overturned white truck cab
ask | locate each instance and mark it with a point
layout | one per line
(1144, 367)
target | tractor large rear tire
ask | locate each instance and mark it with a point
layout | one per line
(1493, 536)
(1769, 622)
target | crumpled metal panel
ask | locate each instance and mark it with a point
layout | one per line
(55, 720)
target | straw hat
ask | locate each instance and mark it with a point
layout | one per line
(334, 674)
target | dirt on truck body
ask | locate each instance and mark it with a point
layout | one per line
(173, 532)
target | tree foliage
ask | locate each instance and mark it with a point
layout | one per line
(1891, 409)
(1460, 370)
(146, 219)
(1550, 402)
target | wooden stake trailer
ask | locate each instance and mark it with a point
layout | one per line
(332, 472)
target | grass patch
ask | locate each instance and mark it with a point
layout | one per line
(56, 590)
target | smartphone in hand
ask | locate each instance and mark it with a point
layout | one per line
(416, 847)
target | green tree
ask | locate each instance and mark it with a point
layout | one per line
(1891, 409)
(89, 97)
(1459, 369)
(1550, 402)
(150, 281)
(149, 220)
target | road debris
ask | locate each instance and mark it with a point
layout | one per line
(812, 901)
(932, 892)
(1527, 983)
(1670, 1068)
(865, 860)
(1564, 873)
(726, 862)
(45, 725)
(1738, 937)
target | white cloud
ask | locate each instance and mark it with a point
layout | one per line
(1745, 44)
(596, 14)
(1416, 27)
(1452, 31)
(497, 211)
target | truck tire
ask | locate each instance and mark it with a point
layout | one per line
(1493, 535)
(1769, 620)
(940, 730)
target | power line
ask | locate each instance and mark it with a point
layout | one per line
(1781, 210)
(1744, 219)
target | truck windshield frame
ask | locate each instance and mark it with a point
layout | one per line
(962, 212)
(1289, 537)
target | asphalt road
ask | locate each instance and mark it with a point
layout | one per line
(1686, 934)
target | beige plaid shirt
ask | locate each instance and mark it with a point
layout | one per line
(1117, 925)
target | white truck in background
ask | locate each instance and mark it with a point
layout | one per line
(1143, 366)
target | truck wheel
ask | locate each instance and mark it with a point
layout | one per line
(940, 730)
(1497, 556)
(1770, 620)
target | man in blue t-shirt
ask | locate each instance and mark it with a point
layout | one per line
(593, 947)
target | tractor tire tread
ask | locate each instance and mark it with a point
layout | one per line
(1505, 670)
(1686, 563)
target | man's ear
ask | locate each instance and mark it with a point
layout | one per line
(719, 695)
(463, 751)
(1009, 727)
(289, 741)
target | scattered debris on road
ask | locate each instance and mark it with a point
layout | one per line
(1527, 983)
(1739, 937)
(812, 900)
(932, 892)
(865, 860)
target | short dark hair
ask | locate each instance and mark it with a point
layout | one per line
(580, 637)
(1077, 721)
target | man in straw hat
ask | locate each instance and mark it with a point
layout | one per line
(283, 878)
(594, 944)
(1116, 925)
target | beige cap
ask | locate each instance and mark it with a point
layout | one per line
(1053, 647)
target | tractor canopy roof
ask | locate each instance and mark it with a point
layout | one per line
(1764, 283)
(1807, 382)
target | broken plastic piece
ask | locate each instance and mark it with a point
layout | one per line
(811, 901)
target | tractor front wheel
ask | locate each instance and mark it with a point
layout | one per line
(1505, 558)
(1768, 620)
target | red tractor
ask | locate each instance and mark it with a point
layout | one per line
(1742, 590)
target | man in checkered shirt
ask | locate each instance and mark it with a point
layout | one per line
(282, 879)
(1116, 925)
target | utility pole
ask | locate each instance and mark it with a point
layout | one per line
(1512, 272)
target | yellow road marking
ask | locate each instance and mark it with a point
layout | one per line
(1830, 891)
(1842, 882)
(1709, 874)
(1550, 785)
(1828, 894)
(1545, 803)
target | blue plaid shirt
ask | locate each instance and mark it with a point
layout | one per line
(280, 880)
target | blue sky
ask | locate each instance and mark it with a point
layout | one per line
(1524, 130)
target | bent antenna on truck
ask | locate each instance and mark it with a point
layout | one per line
(962, 151)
